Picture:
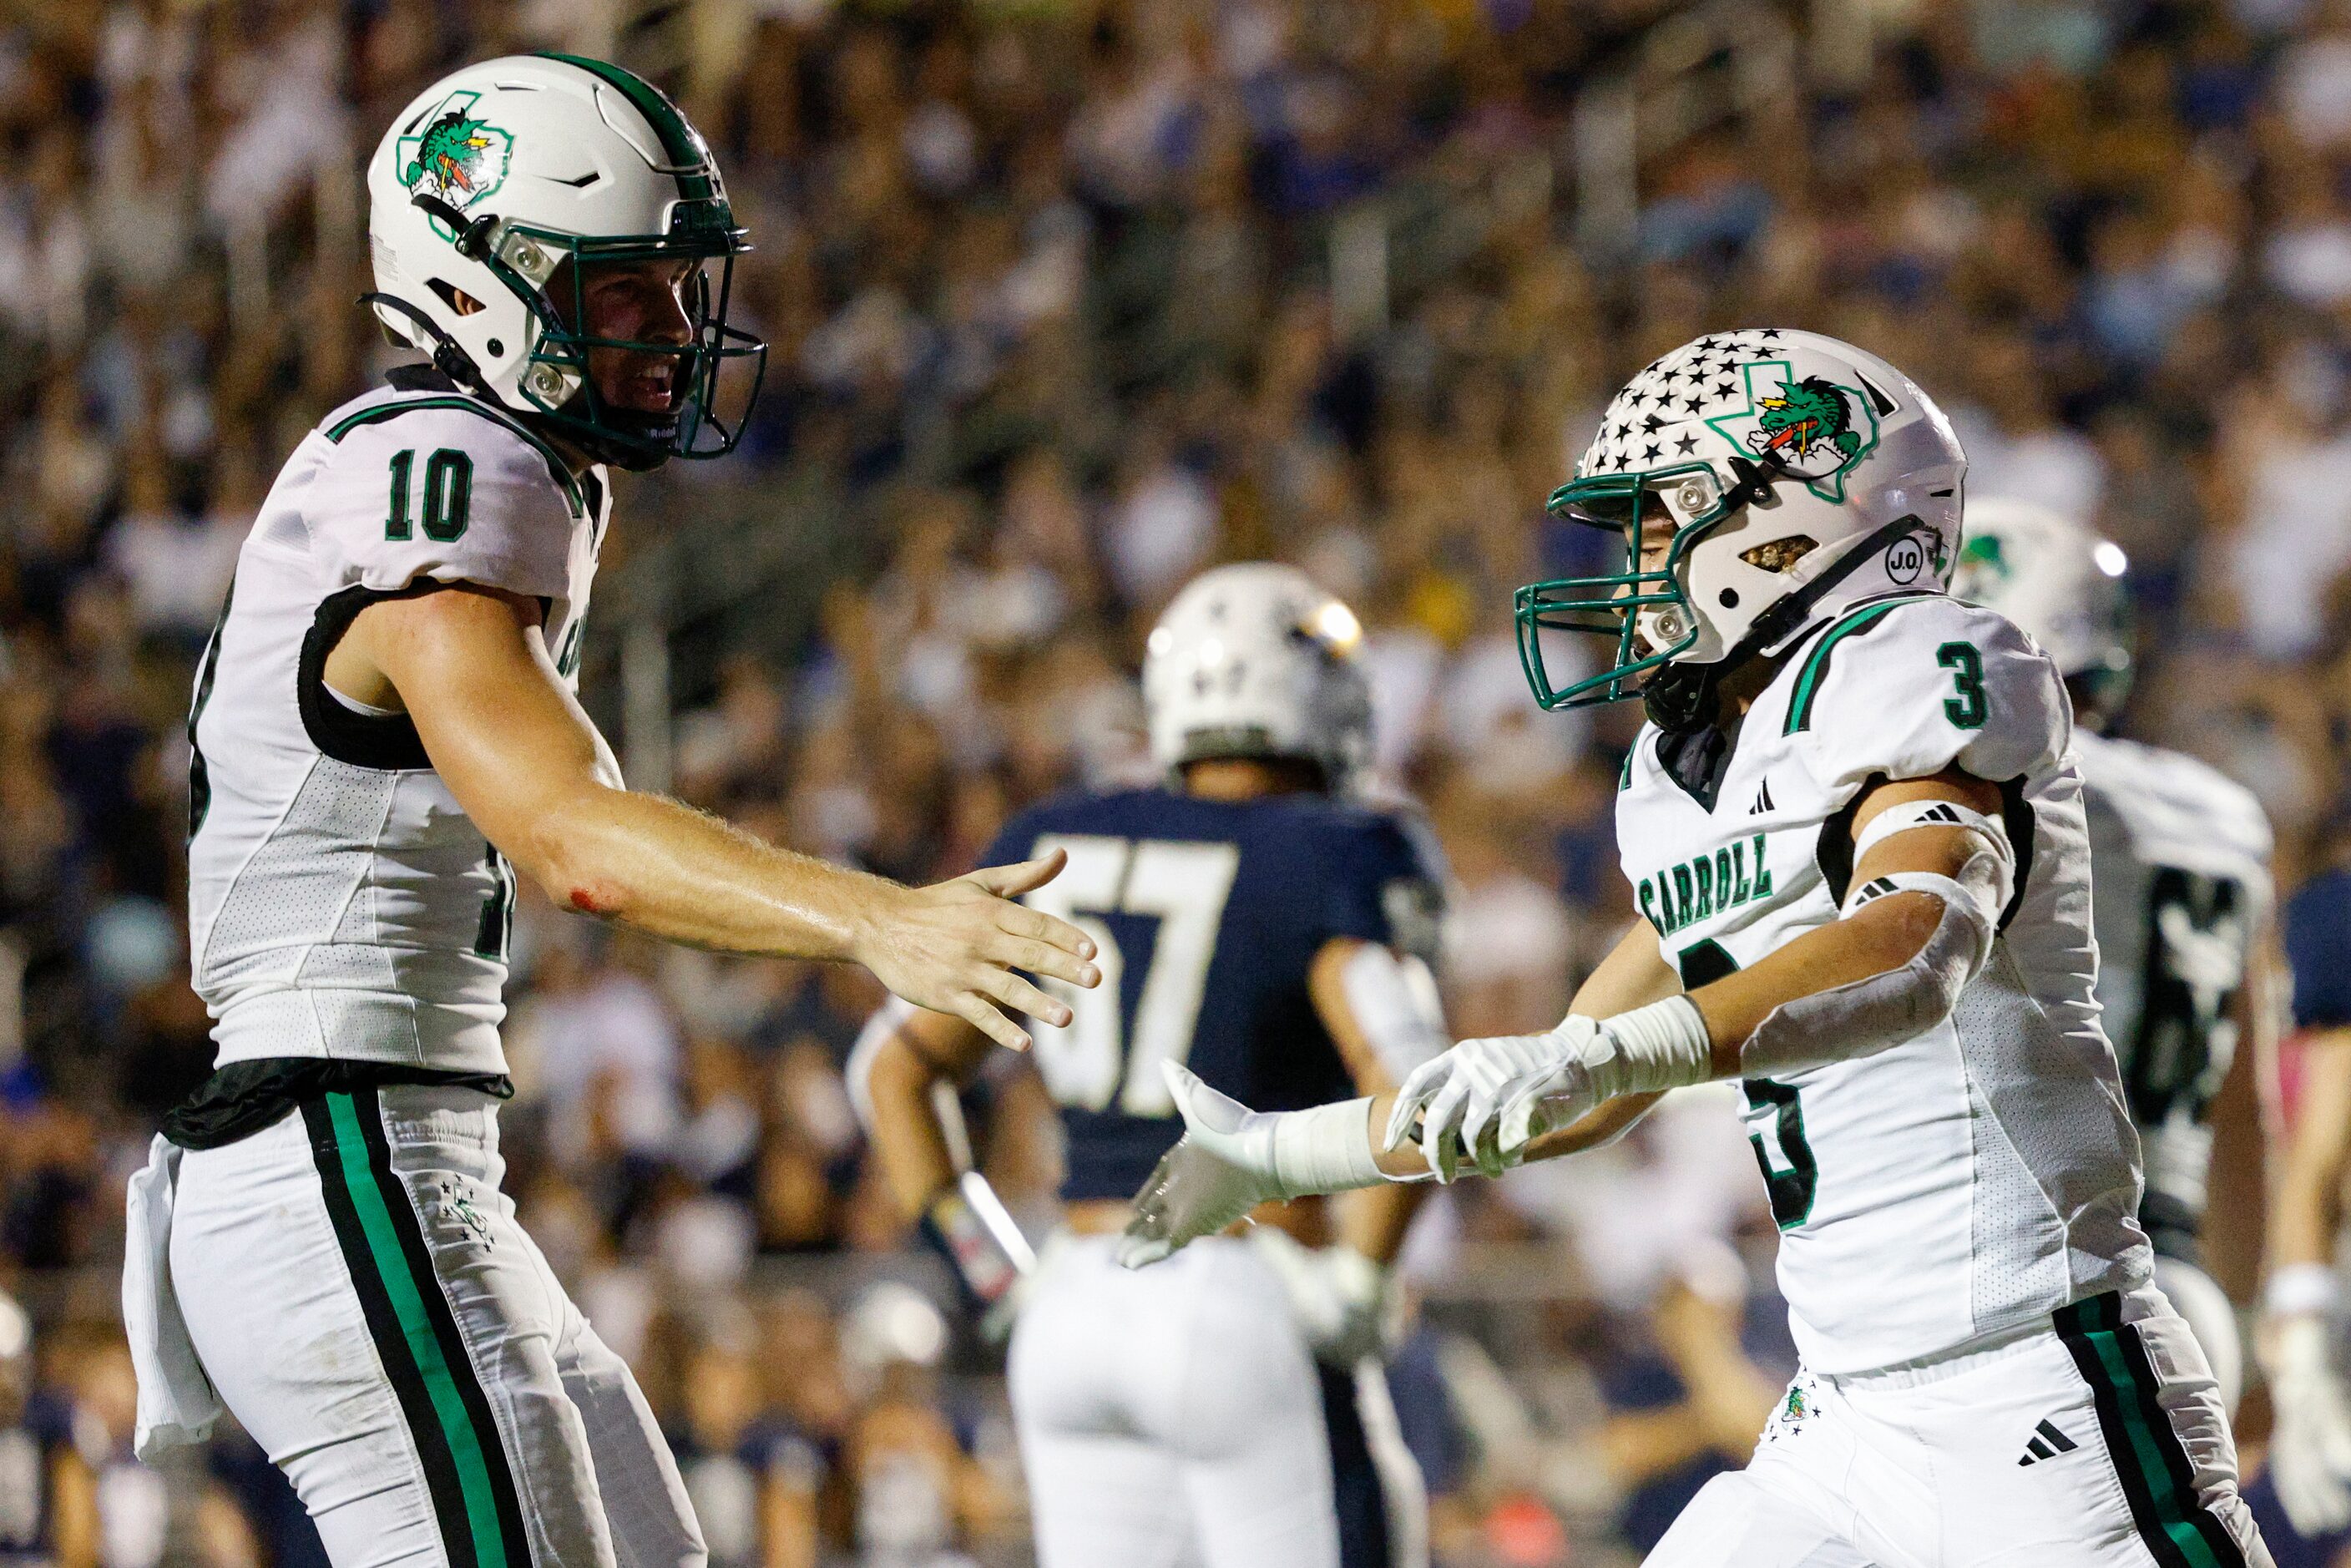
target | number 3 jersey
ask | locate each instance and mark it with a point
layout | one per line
(341, 904)
(1207, 915)
(1982, 1174)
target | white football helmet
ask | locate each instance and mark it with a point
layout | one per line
(1795, 476)
(491, 196)
(1255, 659)
(2062, 583)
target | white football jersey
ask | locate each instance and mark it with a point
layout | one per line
(340, 904)
(2181, 855)
(1982, 1174)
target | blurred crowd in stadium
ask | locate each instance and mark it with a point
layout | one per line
(1068, 301)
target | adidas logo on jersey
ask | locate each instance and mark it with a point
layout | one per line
(1705, 886)
(1762, 800)
(2047, 1443)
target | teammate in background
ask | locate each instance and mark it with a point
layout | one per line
(384, 733)
(1862, 858)
(48, 1499)
(2300, 1338)
(1257, 923)
(2181, 889)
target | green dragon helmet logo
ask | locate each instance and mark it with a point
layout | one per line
(456, 156)
(1805, 415)
(1817, 428)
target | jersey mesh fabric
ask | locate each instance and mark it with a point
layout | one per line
(337, 893)
(303, 876)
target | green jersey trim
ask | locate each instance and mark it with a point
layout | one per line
(556, 469)
(1816, 663)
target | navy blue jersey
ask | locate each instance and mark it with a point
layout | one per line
(1207, 914)
(2317, 943)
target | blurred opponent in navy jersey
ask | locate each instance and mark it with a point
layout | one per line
(1257, 922)
(1207, 914)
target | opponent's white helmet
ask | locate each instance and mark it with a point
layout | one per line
(490, 195)
(1255, 659)
(1797, 475)
(2058, 580)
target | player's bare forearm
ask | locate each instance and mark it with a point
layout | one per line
(2308, 1209)
(923, 1051)
(515, 747)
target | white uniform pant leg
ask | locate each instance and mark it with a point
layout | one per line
(2104, 1444)
(646, 1508)
(2098, 1444)
(1735, 1522)
(1170, 1413)
(361, 1296)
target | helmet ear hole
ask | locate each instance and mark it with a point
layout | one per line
(457, 299)
(1728, 599)
(1779, 555)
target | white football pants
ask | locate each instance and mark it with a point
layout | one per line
(1174, 1415)
(2097, 1443)
(357, 1288)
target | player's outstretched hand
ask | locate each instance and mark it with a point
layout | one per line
(1487, 1098)
(2310, 1445)
(952, 947)
(1220, 1169)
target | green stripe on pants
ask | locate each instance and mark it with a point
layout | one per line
(465, 1443)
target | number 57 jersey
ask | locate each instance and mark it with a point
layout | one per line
(341, 904)
(1207, 915)
(1982, 1174)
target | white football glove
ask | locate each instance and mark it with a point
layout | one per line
(1222, 1168)
(1340, 1298)
(1487, 1099)
(1231, 1158)
(2310, 1444)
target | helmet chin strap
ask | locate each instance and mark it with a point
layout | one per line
(449, 359)
(1680, 699)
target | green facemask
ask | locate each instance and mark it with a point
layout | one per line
(702, 230)
(1611, 605)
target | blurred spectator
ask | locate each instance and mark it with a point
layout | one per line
(1066, 304)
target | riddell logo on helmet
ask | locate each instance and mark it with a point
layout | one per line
(456, 157)
(1816, 428)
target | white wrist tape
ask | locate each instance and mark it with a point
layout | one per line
(2302, 1288)
(1662, 1046)
(1325, 1149)
(1866, 1016)
(1396, 1004)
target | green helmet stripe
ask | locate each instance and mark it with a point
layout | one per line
(680, 144)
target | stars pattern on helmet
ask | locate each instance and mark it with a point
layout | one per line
(1662, 412)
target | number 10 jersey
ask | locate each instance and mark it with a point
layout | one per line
(341, 902)
(1982, 1174)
